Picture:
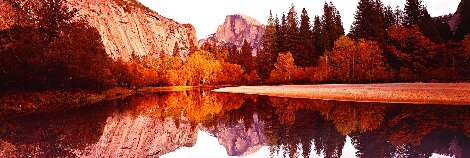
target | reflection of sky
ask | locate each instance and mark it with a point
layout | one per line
(208, 146)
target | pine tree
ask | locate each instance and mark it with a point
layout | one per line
(292, 32)
(266, 57)
(306, 54)
(399, 16)
(339, 29)
(428, 26)
(417, 14)
(369, 23)
(332, 27)
(281, 35)
(413, 12)
(246, 57)
(389, 18)
(318, 38)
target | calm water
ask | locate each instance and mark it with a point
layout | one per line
(207, 124)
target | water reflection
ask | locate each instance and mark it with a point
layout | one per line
(160, 123)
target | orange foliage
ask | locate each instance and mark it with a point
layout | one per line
(412, 49)
(229, 74)
(353, 62)
(284, 70)
(252, 78)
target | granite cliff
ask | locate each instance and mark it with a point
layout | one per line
(128, 27)
(460, 22)
(235, 29)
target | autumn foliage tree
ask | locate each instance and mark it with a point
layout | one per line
(230, 74)
(284, 69)
(202, 67)
(411, 51)
(356, 62)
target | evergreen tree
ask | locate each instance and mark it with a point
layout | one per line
(267, 55)
(332, 27)
(417, 14)
(428, 26)
(246, 57)
(389, 17)
(292, 32)
(369, 23)
(412, 13)
(318, 38)
(339, 29)
(306, 54)
(400, 19)
(281, 35)
(443, 27)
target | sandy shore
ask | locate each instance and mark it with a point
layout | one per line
(417, 93)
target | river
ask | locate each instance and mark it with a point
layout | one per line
(210, 124)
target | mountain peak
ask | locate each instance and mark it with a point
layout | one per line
(248, 19)
(235, 29)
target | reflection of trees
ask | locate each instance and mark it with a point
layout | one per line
(54, 135)
(295, 125)
(416, 131)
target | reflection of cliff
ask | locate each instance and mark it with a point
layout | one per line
(239, 140)
(53, 135)
(142, 136)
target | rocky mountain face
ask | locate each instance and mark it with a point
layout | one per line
(235, 29)
(460, 22)
(128, 27)
(239, 140)
(143, 136)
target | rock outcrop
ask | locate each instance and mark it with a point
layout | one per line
(239, 140)
(128, 27)
(235, 29)
(460, 22)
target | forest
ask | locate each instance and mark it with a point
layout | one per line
(44, 45)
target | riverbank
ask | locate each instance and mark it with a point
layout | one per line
(416, 93)
(18, 103)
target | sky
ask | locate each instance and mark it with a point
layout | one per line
(207, 15)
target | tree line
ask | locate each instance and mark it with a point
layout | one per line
(384, 45)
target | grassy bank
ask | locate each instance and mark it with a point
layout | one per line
(417, 93)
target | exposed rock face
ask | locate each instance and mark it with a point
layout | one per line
(239, 141)
(460, 22)
(235, 29)
(141, 137)
(127, 28)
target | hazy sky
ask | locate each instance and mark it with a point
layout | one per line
(207, 15)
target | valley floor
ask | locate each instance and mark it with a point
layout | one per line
(416, 93)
